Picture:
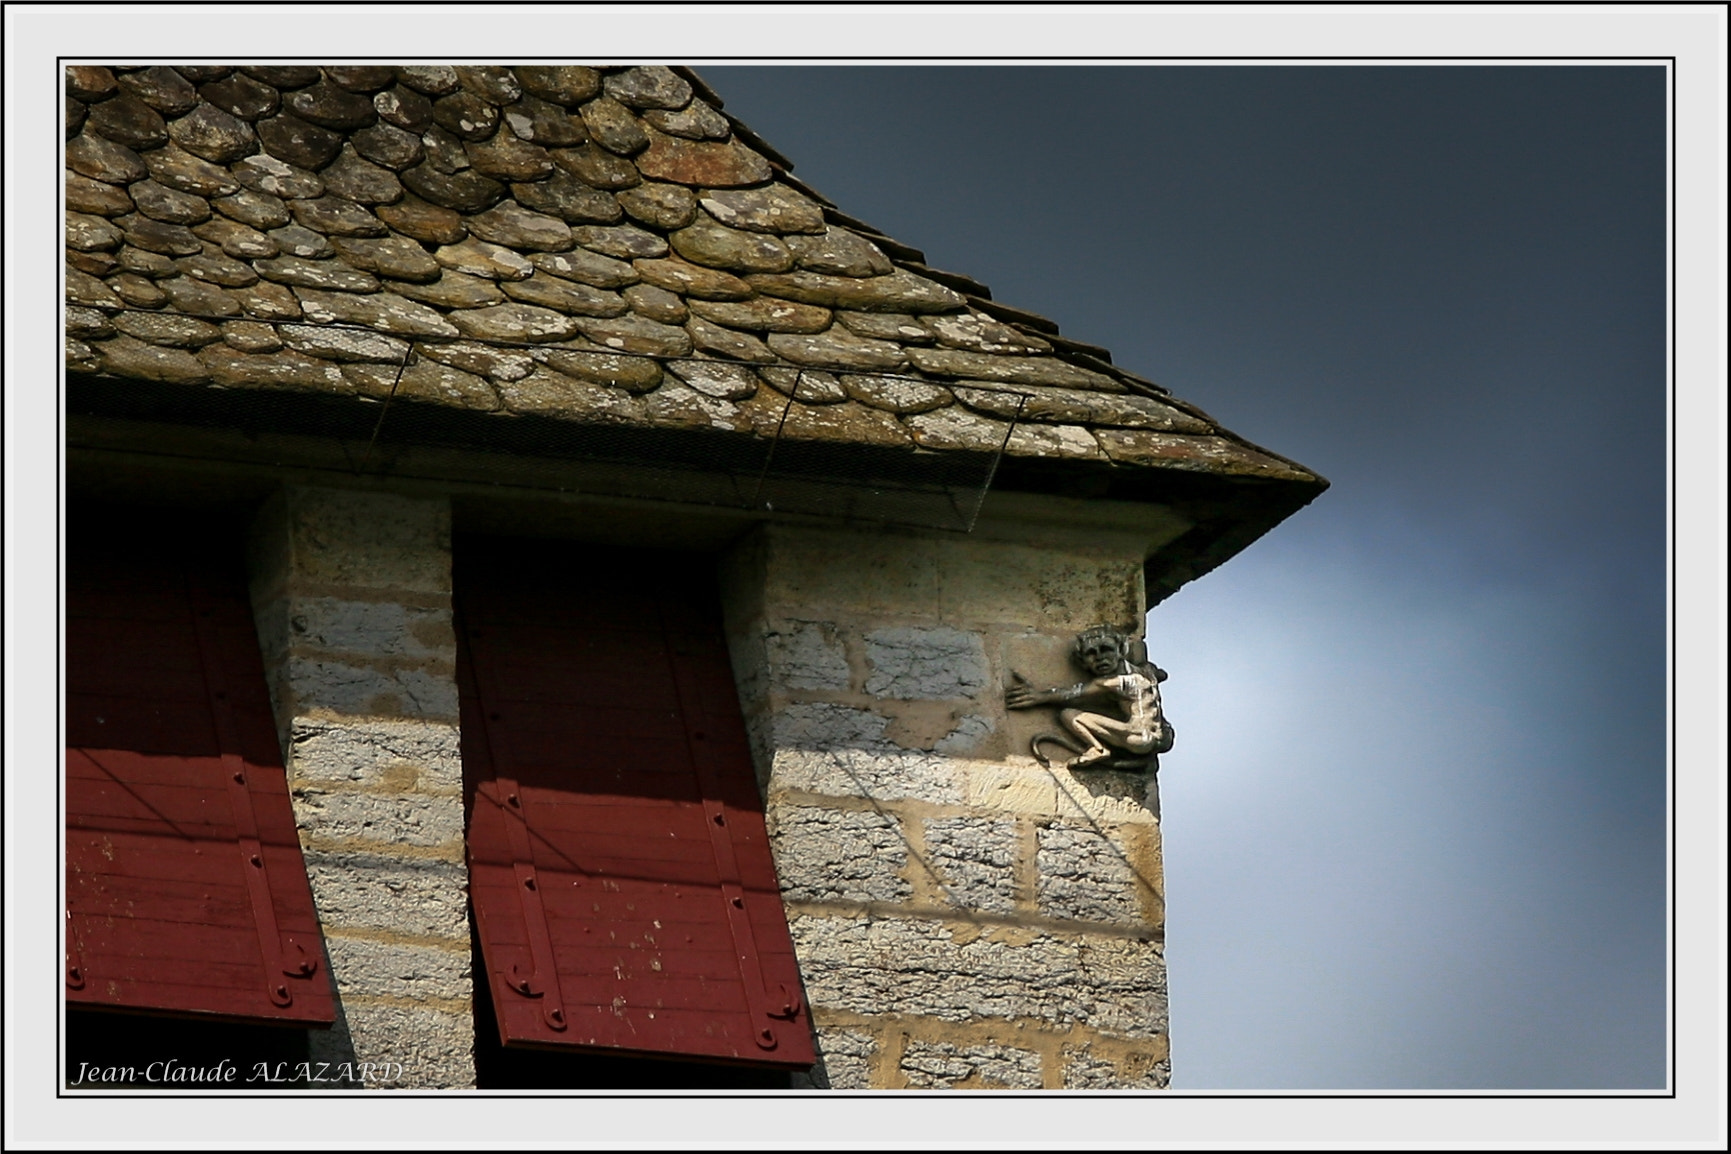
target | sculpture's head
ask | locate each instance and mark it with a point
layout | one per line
(1102, 650)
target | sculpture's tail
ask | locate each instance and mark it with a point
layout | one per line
(1056, 739)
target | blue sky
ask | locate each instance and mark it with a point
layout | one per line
(1415, 821)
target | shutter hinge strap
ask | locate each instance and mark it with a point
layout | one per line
(765, 1008)
(543, 982)
(295, 961)
(74, 964)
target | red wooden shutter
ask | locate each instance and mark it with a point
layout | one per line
(619, 867)
(185, 886)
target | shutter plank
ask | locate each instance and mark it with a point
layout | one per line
(138, 937)
(593, 904)
(149, 855)
(179, 808)
(209, 903)
(186, 889)
(676, 962)
(642, 992)
(601, 741)
(209, 994)
(100, 722)
(644, 1031)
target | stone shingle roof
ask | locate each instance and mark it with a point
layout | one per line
(603, 246)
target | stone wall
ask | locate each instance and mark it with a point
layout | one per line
(352, 594)
(964, 917)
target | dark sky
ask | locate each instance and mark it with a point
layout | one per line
(1415, 821)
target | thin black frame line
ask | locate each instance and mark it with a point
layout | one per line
(867, 61)
(960, 4)
(1671, 609)
(1361, 1096)
(1670, 61)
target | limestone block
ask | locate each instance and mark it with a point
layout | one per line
(886, 773)
(885, 776)
(375, 628)
(751, 674)
(337, 687)
(925, 664)
(806, 655)
(960, 582)
(839, 855)
(975, 858)
(391, 969)
(394, 755)
(271, 619)
(414, 819)
(843, 1060)
(436, 1048)
(1087, 876)
(1024, 786)
(820, 725)
(969, 732)
(372, 540)
(942, 1066)
(924, 725)
(1086, 1070)
(882, 574)
(1058, 591)
(379, 891)
(896, 965)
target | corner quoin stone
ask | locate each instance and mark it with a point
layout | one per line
(963, 916)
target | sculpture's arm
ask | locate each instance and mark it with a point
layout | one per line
(1021, 695)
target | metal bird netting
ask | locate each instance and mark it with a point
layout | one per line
(770, 474)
